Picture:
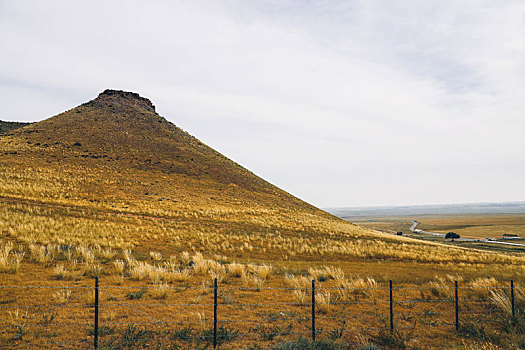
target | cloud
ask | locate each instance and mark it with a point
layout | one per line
(341, 103)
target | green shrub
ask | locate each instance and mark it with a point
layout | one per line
(305, 344)
(392, 340)
(136, 295)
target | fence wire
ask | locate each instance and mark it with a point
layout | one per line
(218, 315)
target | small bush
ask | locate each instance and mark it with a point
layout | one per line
(370, 347)
(393, 340)
(136, 295)
(223, 334)
(183, 334)
(305, 344)
(132, 337)
(452, 235)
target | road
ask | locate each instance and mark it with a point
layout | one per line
(415, 223)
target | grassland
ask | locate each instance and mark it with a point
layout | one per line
(111, 189)
(473, 225)
(478, 226)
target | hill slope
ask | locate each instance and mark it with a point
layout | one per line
(112, 172)
(120, 131)
(112, 190)
(9, 126)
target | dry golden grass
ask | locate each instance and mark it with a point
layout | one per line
(323, 302)
(62, 296)
(9, 259)
(477, 226)
(78, 204)
(160, 291)
(329, 296)
(236, 270)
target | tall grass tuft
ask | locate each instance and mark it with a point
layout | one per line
(9, 260)
(236, 270)
(323, 302)
(160, 291)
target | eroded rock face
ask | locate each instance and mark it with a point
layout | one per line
(126, 98)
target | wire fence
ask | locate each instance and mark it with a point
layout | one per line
(106, 316)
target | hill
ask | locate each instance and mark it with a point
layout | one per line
(110, 189)
(9, 126)
(120, 131)
(112, 172)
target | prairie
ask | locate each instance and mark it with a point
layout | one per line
(471, 225)
(112, 190)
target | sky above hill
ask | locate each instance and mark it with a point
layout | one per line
(341, 103)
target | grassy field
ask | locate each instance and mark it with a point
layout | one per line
(111, 189)
(475, 226)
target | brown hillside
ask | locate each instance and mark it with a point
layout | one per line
(9, 126)
(113, 173)
(120, 132)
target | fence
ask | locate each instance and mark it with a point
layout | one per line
(226, 316)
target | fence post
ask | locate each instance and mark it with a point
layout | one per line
(95, 337)
(456, 300)
(391, 308)
(215, 313)
(313, 310)
(512, 299)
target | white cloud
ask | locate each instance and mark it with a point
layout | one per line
(368, 102)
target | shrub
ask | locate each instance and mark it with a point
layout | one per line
(393, 340)
(136, 295)
(182, 334)
(223, 334)
(452, 235)
(132, 337)
(305, 344)
(370, 347)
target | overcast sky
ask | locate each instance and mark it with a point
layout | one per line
(341, 103)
